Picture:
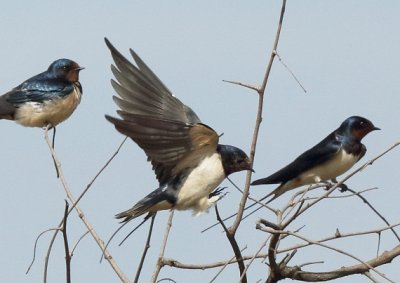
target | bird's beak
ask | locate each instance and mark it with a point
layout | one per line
(79, 68)
(376, 129)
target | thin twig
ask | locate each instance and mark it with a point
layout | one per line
(224, 265)
(163, 246)
(75, 203)
(374, 210)
(290, 71)
(66, 246)
(242, 84)
(77, 243)
(310, 263)
(174, 263)
(167, 279)
(254, 257)
(235, 247)
(339, 236)
(369, 276)
(35, 246)
(318, 243)
(146, 248)
(89, 227)
(261, 92)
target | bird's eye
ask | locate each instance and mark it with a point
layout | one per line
(362, 123)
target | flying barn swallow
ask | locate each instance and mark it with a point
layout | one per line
(333, 156)
(48, 98)
(186, 157)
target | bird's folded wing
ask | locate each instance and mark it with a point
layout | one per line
(315, 156)
(169, 132)
(38, 91)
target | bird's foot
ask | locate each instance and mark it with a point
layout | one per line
(329, 184)
(343, 188)
(217, 194)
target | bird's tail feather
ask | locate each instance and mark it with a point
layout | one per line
(262, 181)
(7, 110)
(150, 203)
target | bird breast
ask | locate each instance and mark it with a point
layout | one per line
(199, 183)
(54, 111)
(340, 163)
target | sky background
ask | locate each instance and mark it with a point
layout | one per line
(345, 53)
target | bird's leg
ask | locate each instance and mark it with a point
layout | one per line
(54, 137)
(47, 128)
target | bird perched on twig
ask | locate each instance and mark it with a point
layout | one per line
(187, 159)
(46, 99)
(333, 156)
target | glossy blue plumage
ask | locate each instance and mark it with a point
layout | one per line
(40, 99)
(333, 156)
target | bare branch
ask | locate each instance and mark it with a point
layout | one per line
(234, 245)
(177, 264)
(163, 246)
(375, 211)
(35, 246)
(261, 92)
(254, 257)
(146, 248)
(369, 275)
(77, 243)
(290, 71)
(232, 260)
(89, 227)
(338, 236)
(66, 246)
(363, 266)
(242, 84)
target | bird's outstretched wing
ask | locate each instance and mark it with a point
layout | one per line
(317, 155)
(169, 132)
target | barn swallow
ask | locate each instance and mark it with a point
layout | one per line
(46, 99)
(333, 156)
(187, 159)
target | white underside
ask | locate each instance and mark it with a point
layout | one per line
(199, 184)
(326, 171)
(34, 114)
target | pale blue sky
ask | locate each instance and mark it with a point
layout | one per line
(345, 53)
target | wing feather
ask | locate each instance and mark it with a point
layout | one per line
(169, 132)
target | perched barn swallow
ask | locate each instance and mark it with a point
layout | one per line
(333, 156)
(46, 99)
(186, 157)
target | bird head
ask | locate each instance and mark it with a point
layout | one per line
(65, 69)
(357, 127)
(234, 159)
